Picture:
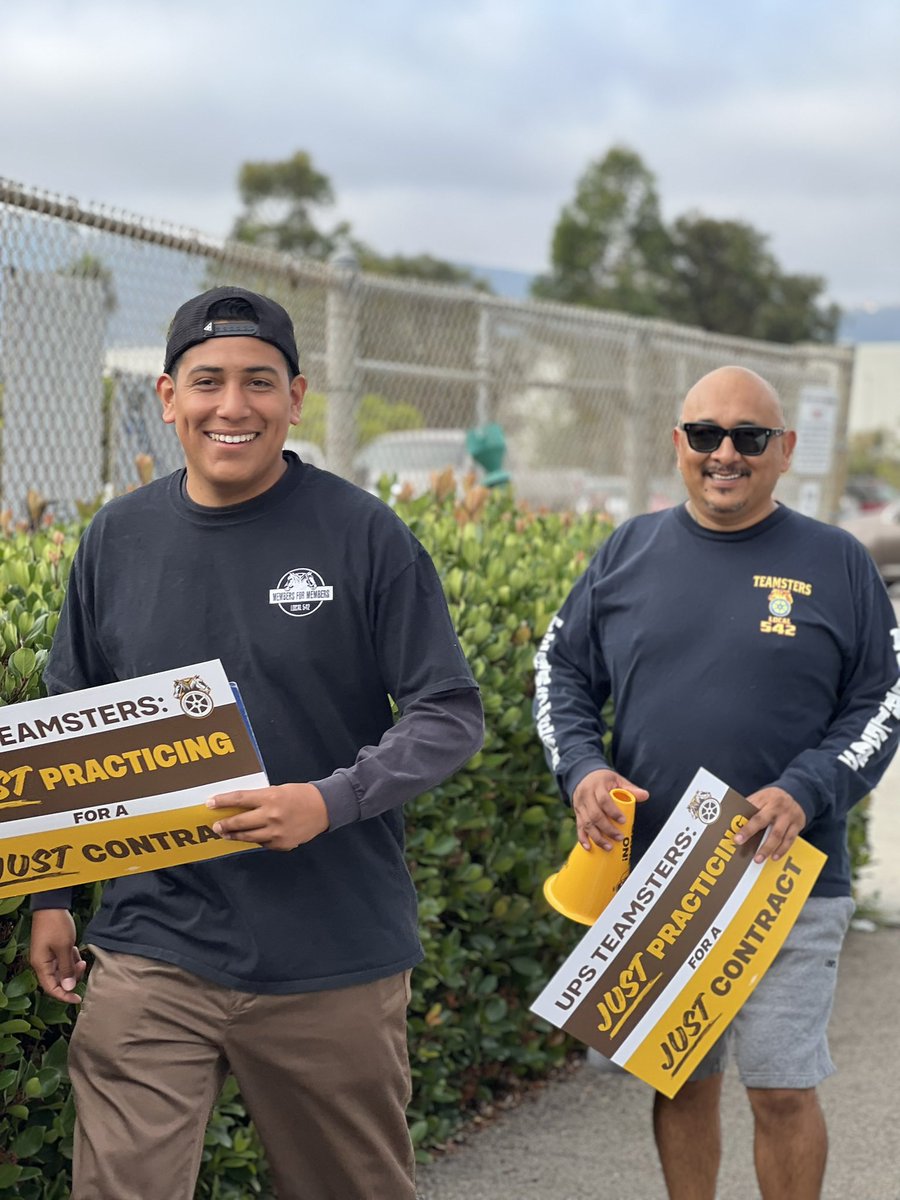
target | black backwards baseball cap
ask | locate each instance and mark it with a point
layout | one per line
(193, 324)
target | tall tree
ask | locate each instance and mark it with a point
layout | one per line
(726, 279)
(610, 247)
(796, 311)
(278, 199)
(722, 274)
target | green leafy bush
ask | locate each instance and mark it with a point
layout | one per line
(481, 845)
(35, 1107)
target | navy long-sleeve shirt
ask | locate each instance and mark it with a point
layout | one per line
(767, 655)
(322, 607)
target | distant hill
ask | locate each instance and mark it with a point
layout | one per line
(870, 324)
(513, 285)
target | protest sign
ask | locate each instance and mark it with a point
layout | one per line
(112, 780)
(684, 941)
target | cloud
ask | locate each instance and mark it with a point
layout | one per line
(461, 129)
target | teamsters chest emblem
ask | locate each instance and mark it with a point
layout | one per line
(301, 592)
(781, 598)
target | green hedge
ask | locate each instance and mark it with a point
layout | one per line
(35, 1107)
(479, 848)
(481, 845)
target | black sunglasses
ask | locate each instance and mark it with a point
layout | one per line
(748, 440)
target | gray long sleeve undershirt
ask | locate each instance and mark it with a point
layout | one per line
(436, 735)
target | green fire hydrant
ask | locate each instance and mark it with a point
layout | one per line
(487, 445)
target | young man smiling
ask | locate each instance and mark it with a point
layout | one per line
(290, 965)
(231, 407)
(734, 634)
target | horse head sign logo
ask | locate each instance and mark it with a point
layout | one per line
(194, 696)
(703, 806)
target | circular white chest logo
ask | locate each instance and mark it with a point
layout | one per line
(301, 592)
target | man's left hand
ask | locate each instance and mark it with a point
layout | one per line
(781, 815)
(279, 818)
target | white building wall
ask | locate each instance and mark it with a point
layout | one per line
(875, 394)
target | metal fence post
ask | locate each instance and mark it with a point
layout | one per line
(638, 434)
(844, 370)
(483, 366)
(343, 311)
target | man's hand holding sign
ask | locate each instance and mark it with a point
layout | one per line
(780, 815)
(279, 818)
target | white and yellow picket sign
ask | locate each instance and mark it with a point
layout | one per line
(112, 780)
(683, 943)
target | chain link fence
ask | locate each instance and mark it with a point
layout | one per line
(586, 399)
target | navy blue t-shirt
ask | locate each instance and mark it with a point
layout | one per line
(159, 582)
(767, 655)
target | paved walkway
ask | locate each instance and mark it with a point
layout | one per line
(589, 1137)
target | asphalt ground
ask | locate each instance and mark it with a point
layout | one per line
(588, 1136)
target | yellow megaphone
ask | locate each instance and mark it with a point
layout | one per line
(590, 878)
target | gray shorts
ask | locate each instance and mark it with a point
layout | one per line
(780, 1035)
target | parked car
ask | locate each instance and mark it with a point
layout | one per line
(555, 488)
(609, 494)
(869, 493)
(414, 456)
(879, 532)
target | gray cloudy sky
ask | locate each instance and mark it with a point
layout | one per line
(459, 127)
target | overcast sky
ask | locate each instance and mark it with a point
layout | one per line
(460, 127)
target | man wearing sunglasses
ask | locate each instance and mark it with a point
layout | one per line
(734, 634)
